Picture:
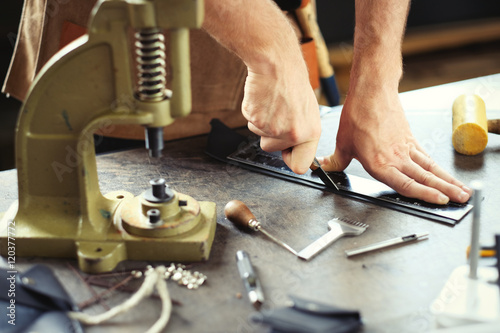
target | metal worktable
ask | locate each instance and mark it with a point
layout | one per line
(393, 288)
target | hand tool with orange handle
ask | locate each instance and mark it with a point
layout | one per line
(497, 254)
(484, 251)
(306, 16)
(470, 125)
(238, 213)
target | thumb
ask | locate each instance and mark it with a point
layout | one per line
(338, 161)
(300, 157)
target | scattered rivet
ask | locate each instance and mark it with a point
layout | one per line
(177, 276)
(26, 280)
(136, 274)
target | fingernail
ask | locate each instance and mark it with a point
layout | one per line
(443, 199)
(463, 196)
(467, 189)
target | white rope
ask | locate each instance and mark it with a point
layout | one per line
(166, 306)
(154, 278)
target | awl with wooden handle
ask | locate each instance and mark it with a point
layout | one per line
(238, 213)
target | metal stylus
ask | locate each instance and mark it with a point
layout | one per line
(387, 243)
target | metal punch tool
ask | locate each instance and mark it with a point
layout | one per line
(250, 278)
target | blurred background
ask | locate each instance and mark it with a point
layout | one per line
(10, 14)
(446, 41)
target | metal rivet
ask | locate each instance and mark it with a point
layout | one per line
(136, 274)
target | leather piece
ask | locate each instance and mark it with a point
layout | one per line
(320, 308)
(43, 290)
(224, 141)
(307, 316)
(35, 301)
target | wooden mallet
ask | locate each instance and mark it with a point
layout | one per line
(470, 125)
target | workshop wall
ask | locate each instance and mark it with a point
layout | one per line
(336, 17)
(445, 41)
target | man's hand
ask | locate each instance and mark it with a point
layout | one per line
(373, 127)
(279, 102)
(374, 130)
(281, 108)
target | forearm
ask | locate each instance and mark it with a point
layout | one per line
(278, 101)
(373, 128)
(257, 31)
(377, 60)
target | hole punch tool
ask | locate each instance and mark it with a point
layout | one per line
(238, 213)
(339, 227)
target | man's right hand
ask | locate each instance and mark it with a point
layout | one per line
(281, 107)
(279, 103)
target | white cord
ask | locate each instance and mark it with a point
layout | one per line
(154, 278)
(166, 306)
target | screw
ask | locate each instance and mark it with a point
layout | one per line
(154, 215)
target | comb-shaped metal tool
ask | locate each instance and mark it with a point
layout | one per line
(338, 227)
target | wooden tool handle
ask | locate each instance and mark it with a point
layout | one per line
(238, 213)
(470, 127)
(306, 17)
(494, 126)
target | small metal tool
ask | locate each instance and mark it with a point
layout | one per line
(477, 186)
(238, 213)
(387, 243)
(338, 228)
(318, 170)
(497, 254)
(250, 278)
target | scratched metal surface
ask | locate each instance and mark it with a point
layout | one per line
(392, 288)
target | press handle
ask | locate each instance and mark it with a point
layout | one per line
(238, 213)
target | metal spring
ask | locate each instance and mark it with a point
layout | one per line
(152, 75)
